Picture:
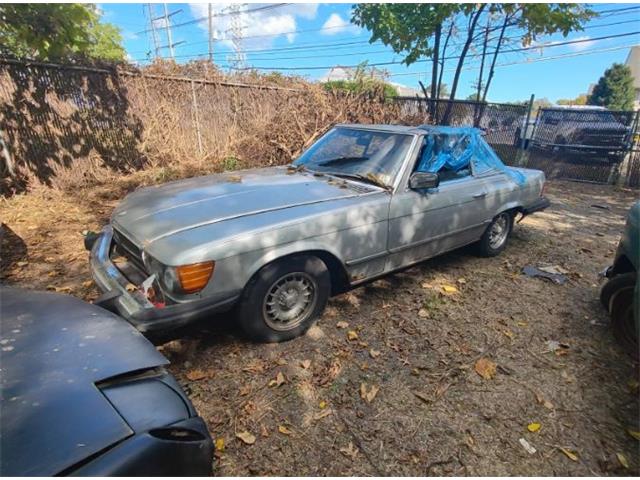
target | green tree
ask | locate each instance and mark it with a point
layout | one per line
(423, 31)
(579, 100)
(56, 32)
(614, 90)
(363, 80)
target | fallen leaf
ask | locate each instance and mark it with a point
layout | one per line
(543, 401)
(422, 397)
(342, 324)
(485, 368)
(246, 437)
(534, 427)
(22, 264)
(527, 446)
(449, 289)
(634, 434)
(349, 451)
(508, 333)
(195, 375)
(374, 353)
(263, 430)
(282, 362)
(522, 324)
(245, 390)
(279, 380)
(368, 394)
(352, 335)
(220, 444)
(461, 281)
(131, 287)
(322, 414)
(623, 460)
(423, 313)
(322, 404)
(305, 364)
(569, 453)
(87, 283)
(284, 430)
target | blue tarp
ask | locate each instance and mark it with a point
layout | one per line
(454, 148)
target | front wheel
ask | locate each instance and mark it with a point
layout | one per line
(284, 299)
(495, 237)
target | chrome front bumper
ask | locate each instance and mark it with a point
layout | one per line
(112, 282)
(133, 305)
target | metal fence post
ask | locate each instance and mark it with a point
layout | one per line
(196, 116)
(523, 137)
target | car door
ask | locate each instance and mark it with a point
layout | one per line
(424, 223)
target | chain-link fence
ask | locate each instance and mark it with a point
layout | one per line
(62, 124)
(583, 144)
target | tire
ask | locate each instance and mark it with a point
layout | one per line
(622, 321)
(488, 246)
(277, 291)
(613, 285)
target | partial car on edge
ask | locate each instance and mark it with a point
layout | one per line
(84, 393)
(621, 294)
(361, 202)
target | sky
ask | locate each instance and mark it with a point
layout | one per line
(307, 39)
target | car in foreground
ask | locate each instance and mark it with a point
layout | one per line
(84, 393)
(621, 294)
(362, 201)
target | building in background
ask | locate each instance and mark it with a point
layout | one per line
(633, 62)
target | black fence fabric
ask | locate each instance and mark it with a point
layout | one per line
(584, 143)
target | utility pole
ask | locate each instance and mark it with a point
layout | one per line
(168, 28)
(210, 34)
(154, 34)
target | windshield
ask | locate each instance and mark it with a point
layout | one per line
(376, 156)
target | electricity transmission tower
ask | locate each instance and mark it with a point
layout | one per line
(167, 26)
(238, 60)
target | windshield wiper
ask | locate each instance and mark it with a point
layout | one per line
(339, 160)
(370, 179)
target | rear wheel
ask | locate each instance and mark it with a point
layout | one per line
(495, 237)
(622, 321)
(613, 285)
(284, 299)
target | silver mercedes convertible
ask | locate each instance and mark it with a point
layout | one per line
(274, 243)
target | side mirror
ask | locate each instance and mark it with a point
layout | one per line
(421, 180)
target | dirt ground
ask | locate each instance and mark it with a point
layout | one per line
(387, 383)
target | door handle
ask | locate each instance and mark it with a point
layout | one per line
(480, 195)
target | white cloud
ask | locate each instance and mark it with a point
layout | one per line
(261, 27)
(584, 45)
(335, 24)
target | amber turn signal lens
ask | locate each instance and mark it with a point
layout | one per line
(194, 277)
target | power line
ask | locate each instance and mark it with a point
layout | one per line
(322, 45)
(513, 50)
(223, 14)
(522, 62)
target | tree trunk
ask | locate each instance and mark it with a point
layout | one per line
(495, 57)
(463, 54)
(479, 109)
(434, 70)
(443, 59)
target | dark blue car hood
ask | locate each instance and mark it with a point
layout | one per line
(53, 350)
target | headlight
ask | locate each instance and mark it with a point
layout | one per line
(184, 278)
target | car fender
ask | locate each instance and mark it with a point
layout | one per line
(298, 247)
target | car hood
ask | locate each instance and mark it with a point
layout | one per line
(153, 213)
(54, 350)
